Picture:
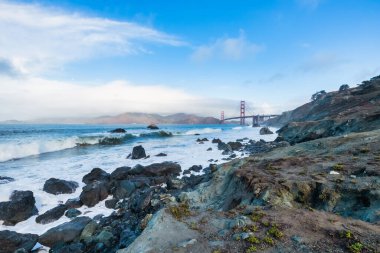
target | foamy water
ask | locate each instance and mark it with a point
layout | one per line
(53, 151)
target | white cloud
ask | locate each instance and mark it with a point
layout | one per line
(35, 38)
(226, 48)
(31, 97)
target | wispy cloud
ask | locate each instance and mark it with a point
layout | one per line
(35, 38)
(229, 48)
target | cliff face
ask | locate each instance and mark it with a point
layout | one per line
(335, 113)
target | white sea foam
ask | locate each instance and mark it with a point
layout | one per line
(203, 131)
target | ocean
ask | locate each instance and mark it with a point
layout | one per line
(33, 153)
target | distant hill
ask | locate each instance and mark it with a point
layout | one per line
(339, 112)
(138, 118)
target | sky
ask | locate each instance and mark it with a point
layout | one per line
(85, 58)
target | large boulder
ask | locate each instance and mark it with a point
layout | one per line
(94, 193)
(96, 174)
(166, 169)
(58, 186)
(66, 232)
(152, 127)
(124, 189)
(20, 207)
(265, 130)
(225, 147)
(52, 214)
(235, 145)
(120, 173)
(138, 152)
(141, 201)
(11, 241)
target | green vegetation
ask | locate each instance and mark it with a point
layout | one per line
(180, 211)
(356, 247)
(252, 239)
(338, 167)
(251, 249)
(268, 240)
(257, 216)
(275, 232)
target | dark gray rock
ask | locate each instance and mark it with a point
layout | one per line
(161, 154)
(94, 193)
(58, 186)
(138, 152)
(120, 173)
(118, 131)
(111, 203)
(72, 213)
(51, 215)
(124, 189)
(209, 149)
(153, 127)
(141, 201)
(196, 168)
(224, 147)
(96, 174)
(235, 145)
(216, 141)
(265, 130)
(11, 241)
(64, 233)
(71, 248)
(5, 180)
(157, 169)
(74, 203)
(20, 207)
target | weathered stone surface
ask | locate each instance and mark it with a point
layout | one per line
(161, 154)
(235, 145)
(94, 193)
(58, 186)
(124, 189)
(153, 127)
(11, 241)
(118, 130)
(120, 173)
(74, 203)
(20, 207)
(225, 147)
(138, 152)
(265, 130)
(72, 213)
(96, 174)
(141, 201)
(196, 168)
(51, 215)
(111, 203)
(66, 232)
(157, 169)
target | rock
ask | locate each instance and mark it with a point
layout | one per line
(225, 147)
(118, 131)
(141, 201)
(111, 203)
(58, 186)
(88, 230)
(144, 222)
(71, 248)
(209, 149)
(51, 215)
(166, 169)
(165, 134)
(186, 172)
(72, 213)
(20, 207)
(265, 130)
(235, 145)
(153, 127)
(105, 237)
(94, 193)
(216, 141)
(202, 140)
(124, 189)
(138, 152)
(11, 241)
(73, 203)
(120, 173)
(175, 184)
(161, 154)
(196, 168)
(5, 180)
(66, 232)
(96, 174)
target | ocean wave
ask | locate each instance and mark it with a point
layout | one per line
(203, 131)
(157, 134)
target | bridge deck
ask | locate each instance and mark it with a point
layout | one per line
(249, 117)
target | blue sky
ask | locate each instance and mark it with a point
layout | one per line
(87, 58)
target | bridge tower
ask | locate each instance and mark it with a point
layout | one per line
(222, 117)
(242, 112)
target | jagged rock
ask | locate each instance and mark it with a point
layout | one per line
(138, 152)
(196, 168)
(141, 201)
(216, 141)
(20, 207)
(175, 184)
(202, 140)
(225, 147)
(71, 248)
(153, 127)
(58, 186)
(72, 213)
(96, 174)
(124, 189)
(111, 203)
(209, 149)
(51, 215)
(11, 241)
(265, 130)
(5, 180)
(235, 145)
(161, 154)
(118, 131)
(94, 193)
(105, 237)
(88, 230)
(165, 134)
(120, 173)
(66, 232)
(74, 203)
(166, 169)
